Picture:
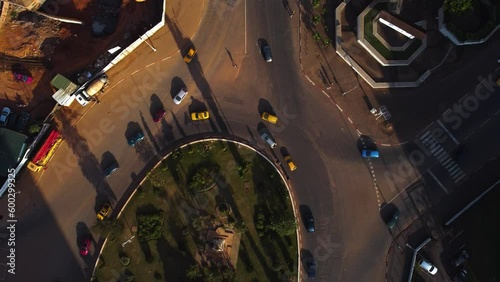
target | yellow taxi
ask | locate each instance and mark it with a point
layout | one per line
(200, 115)
(270, 118)
(289, 161)
(104, 212)
(189, 55)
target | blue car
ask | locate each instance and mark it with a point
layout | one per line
(369, 154)
(136, 138)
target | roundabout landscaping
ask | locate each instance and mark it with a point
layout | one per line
(210, 211)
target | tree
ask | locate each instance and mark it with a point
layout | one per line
(193, 272)
(459, 7)
(283, 223)
(35, 128)
(157, 177)
(108, 227)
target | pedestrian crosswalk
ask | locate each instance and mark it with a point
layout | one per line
(435, 148)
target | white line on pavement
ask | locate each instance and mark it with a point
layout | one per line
(245, 26)
(485, 122)
(448, 132)
(438, 182)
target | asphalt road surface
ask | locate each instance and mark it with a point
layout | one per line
(351, 240)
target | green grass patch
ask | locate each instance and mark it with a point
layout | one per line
(244, 185)
(386, 53)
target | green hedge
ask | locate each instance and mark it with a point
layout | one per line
(149, 226)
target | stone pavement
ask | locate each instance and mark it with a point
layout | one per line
(187, 15)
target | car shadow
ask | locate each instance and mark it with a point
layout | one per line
(107, 159)
(155, 105)
(176, 86)
(132, 129)
(265, 106)
(196, 106)
(386, 211)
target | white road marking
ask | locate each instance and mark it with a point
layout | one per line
(448, 132)
(438, 182)
(245, 26)
(485, 122)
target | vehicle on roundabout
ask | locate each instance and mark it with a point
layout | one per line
(85, 246)
(200, 115)
(132, 141)
(106, 208)
(159, 115)
(180, 96)
(269, 118)
(190, 55)
(291, 165)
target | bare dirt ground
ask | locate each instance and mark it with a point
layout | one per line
(65, 48)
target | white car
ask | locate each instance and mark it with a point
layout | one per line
(180, 96)
(4, 117)
(428, 267)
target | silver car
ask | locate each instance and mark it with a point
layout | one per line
(268, 140)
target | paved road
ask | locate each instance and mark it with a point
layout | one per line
(350, 234)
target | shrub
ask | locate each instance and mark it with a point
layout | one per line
(108, 227)
(158, 177)
(35, 128)
(459, 7)
(316, 3)
(149, 226)
(124, 259)
(204, 177)
(316, 37)
(193, 272)
(326, 42)
(158, 277)
(316, 20)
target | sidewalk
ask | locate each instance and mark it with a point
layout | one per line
(187, 15)
(329, 73)
(411, 109)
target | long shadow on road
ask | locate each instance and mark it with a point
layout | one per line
(199, 78)
(85, 159)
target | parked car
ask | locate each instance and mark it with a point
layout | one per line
(85, 246)
(135, 139)
(110, 169)
(268, 140)
(309, 221)
(370, 154)
(21, 122)
(289, 161)
(310, 266)
(190, 55)
(200, 115)
(4, 116)
(23, 78)
(266, 52)
(180, 96)
(428, 267)
(106, 208)
(394, 219)
(159, 115)
(270, 118)
(460, 258)
(461, 275)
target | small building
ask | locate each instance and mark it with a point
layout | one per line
(12, 148)
(221, 247)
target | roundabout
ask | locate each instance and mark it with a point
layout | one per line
(174, 218)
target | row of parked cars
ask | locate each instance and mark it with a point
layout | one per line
(12, 120)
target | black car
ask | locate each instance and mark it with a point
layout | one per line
(136, 138)
(394, 219)
(110, 169)
(460, 258)
(309, 221)
(311, 266)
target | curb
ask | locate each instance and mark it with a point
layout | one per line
(240, 142)
(332, 100)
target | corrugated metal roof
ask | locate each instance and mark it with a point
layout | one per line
(11, 147)
(61, 82)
